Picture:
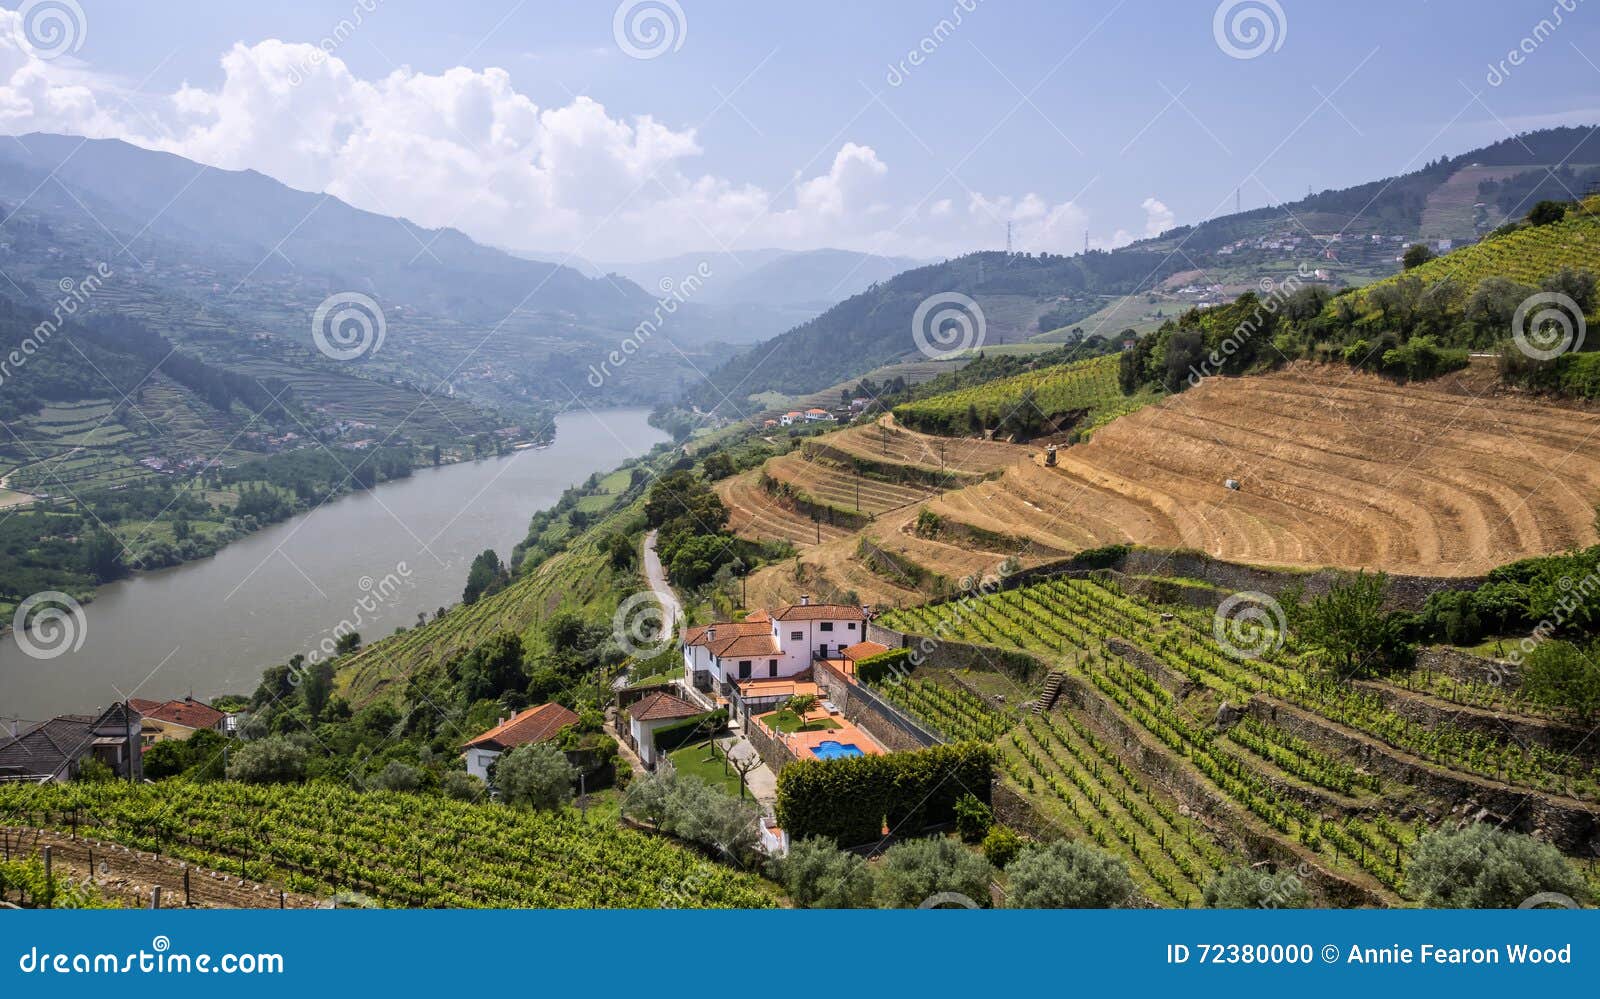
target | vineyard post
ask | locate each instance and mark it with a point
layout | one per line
(186, 886)
(280, 898)
(155, 897)
(49, 882)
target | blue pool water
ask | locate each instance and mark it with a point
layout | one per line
(831, 750)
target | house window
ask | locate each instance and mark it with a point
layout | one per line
(827, 626)
(772, 667)
(851, 626)
(797, 636)
(744, 669)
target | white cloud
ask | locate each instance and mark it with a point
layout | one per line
(1158, 218)
(464, 148)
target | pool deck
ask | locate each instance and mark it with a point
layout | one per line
(803, 744)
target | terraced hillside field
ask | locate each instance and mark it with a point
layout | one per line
(1333, 469)
(841, 480)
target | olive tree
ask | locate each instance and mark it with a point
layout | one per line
(1068, 875)
(914, 871)
(1249, 888)
(273, 760)
(537, 776)
(819, 875)
(1481, 867)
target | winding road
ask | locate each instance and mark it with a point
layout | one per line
(657, 576)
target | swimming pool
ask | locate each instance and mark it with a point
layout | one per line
(831, 750)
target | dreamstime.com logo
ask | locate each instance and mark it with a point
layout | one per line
(348, 325)
(640, 626)
(948, 325)
(648, 29)
(1245, 29)
(1249, 625)
(53, 28)
(158, 960)
(1548, 325)
(49, 624)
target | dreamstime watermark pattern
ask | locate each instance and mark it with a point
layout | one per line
(1547, 325)
(49, 624)
(649, 29)
(348, 325)
(1537, 35)
(929, 44)
(74, 296)
(158, 960)
(947, 325)
(330, 43)
(375, 595)
(1278, 294)
(53, 28)
(674, 295)
(1245, 29)
(1249, 625)
(640, 626)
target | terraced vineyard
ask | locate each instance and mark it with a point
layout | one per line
(1346, 471)
(1299, 787)
(757, 514)
(888, 443)
(1072, 777)
(399, 849)
(1089, 385)
(1528, 255)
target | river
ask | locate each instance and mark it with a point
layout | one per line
(212, 626)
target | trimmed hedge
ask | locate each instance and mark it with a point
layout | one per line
(670, 737)
(849, 800)
(874, 668)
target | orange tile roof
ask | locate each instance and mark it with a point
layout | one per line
(533, 725)
(659, 705)
(726, 630)
(763, 644)
(862, 650)
(188, 712)
(759, 616)
(816, 612)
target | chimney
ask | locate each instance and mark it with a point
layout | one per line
(805, 598)
(866, 610)
(711, 633)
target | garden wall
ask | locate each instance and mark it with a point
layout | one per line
(875, 716)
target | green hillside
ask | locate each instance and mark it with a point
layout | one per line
(1026, 400)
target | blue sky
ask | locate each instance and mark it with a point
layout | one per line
(779, 124)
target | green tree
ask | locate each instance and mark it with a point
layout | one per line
(316, 687)
(914, 871)
(1481, 867)
(167, 758)
(973, 818)
(1249, 888)
(1001, 846)
(1416, 255)
(1347, 627)
(1547, 212)
(535, 776)
(1068, 875)
(818, 875)
(396, 776)
(486, 577)
(462, 786)
(273, 760)
(1561, 675)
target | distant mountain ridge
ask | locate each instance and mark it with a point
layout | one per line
(243, 215)
(1356, 233)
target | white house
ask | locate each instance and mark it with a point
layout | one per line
(770, 646)
(818, 415)
(538, 724)
(651, 712)
(790, 418)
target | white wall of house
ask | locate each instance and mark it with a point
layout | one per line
(478, 761)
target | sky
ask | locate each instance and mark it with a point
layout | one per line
(620, 132)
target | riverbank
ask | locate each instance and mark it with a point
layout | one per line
(213, 625)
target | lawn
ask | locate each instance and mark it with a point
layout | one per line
(693, 761)
(788, 721)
